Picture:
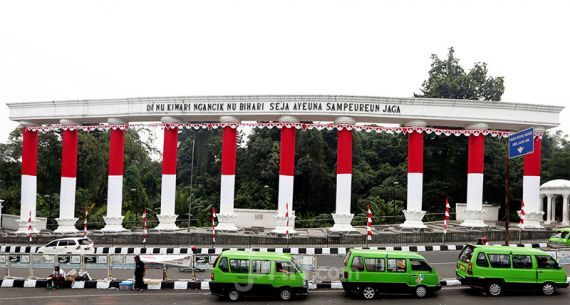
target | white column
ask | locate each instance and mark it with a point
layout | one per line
(531, 184)
(66, 221)
(475, 171)
(167, 216)
(565, 215)
(114, 218)
(549, 201)
(28, 188)
(226, 216)
(284, 224)
(413, 211)
(342, 216)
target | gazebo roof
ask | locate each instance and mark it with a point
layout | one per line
(556, 185)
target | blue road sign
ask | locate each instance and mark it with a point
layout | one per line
(521, 143)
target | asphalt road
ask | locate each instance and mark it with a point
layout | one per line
(327, 270)
(450, 295)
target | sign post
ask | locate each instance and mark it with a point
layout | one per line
(519, 144)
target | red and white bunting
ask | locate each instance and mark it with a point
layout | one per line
(446, 217)
(30, 229)
(369, 224)
(214, 225)
(287, 221)
(522, 214)
(279, 125)
(145, 232)
(85, 223)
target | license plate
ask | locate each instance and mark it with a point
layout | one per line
(461, 267)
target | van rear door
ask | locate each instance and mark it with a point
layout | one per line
(422, 274)
(465, 257)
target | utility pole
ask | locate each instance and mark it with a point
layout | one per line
(507, 210)
(191, 180)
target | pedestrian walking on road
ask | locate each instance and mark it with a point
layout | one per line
(139, 274)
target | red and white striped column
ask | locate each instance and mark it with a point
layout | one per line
(66, 221)
(226, 217)
(114, 218)
(29, 181)
(286, 223)
(476, 163)
(167, 217)
(342, 216)
(531, 184)
(413, 211)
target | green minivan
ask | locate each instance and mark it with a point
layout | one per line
(560, 238)
(498, 268)
(369, 272)
(241, 273)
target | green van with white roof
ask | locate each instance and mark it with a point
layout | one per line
(498, 268)
(369, 272)
(241, 273)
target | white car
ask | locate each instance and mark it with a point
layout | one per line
(71, 245)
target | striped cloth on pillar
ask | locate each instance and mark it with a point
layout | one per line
(85, 223)
(522, 213)
(369, 224)
(287, 217)
(30, 226)
(214, 225)
(446, 217)
(145, 232)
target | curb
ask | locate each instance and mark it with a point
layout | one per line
(308, 251)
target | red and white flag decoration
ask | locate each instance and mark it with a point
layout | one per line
(85, 223)
(213, 224)
(446, 218)
(30, 226)
(287, 221)
(145, 232)
(522, 214)
(369, 224)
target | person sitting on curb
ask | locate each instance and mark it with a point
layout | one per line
(56, 278)
(139, 274)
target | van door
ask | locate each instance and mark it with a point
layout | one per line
(421, 274)
(549, 270)
(397, 275)
(286, 275)
(260, 277)
(523, 271)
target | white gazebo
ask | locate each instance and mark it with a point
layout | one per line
(551, 190)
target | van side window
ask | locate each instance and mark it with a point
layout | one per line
(223, 264)
(522, 262)
(52, 244)
(500, 260)
(397, 265)
(419, 265)
(482, 260)
(284, 267)
(239, 265)
(263, 267)
(357, 264)
(546, 262)
(374, 264)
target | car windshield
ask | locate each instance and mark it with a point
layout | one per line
(466, 254)
(558, 234)
(85, 242)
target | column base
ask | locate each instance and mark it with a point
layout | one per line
(113, 224)
(281, 225)
(474, 219)
(226, 222)
(342, 223)
(413, 220)
(23, 227)
(66, 225)
(532, 220)
(167, 222)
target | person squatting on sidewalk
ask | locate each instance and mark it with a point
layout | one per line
(139, 274)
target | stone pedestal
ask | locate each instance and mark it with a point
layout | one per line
(113, 224)
(23, 226)
(167, 222)
(474, 218)
(66, 225)
(413, 220)
(226, 222)
(342, 223)
(532, 220)
(281, 225)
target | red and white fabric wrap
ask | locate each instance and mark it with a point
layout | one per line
(29, 180)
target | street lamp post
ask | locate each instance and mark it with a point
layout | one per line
(191, 174)
(394, 201)
(1, 201)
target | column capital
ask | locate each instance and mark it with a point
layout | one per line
(478, 126)
(288, 119)
(116, 121)
(229, 119)
(344, 120)
(169, 119)
(416, 123)
(67, 122)
(28, 124)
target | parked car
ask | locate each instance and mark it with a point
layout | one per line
(70, 245)
(560, 238)
(241, 273)
(369, 272)
(498, 268)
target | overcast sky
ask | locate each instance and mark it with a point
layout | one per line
(57, 50)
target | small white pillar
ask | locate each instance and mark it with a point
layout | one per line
(565, 210)
(549, 206)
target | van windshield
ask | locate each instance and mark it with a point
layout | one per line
(466, 254)
(560, 234)
(296, 265)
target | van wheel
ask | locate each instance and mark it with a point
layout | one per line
(495, 289)
(368, 293)
(548, 289)
(285, 294)
(421, 291)
(233, 295)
